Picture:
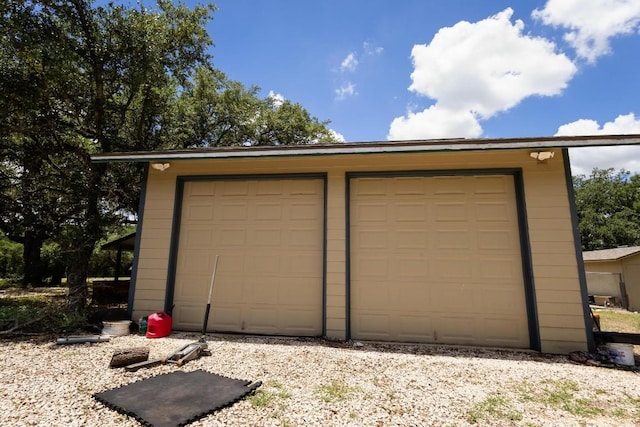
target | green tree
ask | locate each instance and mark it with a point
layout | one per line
(77, 79)
(215, 111)
(608, 207)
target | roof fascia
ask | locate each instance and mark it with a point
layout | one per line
(372, 148)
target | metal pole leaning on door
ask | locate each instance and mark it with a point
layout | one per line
(206, 313)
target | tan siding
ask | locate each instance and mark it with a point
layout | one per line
(335, 256)
(546, 199)
(563, 308)
(557, 296)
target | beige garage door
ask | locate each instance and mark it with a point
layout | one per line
(437, 259)
(269, 235)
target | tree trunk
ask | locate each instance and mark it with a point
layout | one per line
(88, 234)
(33, 270)
(78, 272)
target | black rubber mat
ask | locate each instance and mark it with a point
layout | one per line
(176, 399)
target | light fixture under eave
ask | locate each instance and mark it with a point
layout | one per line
(542, 155)
(161, 166)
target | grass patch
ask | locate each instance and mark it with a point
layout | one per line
(335, 391)
(36, 313)
(261, 398)
(281, 393)
(267, 397)
(492, 408)
(561, 394)
(619, 320)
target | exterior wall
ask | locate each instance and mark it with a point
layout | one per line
(631, 277)
(629, 268)
(605, 284)
(603, 277)
(555, 270)
(603, 266)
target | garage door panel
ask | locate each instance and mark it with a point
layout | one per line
(409, 186)
(453, 239)
(493, 212)
(503, 330)
(375, 213)
(447, 185)
(199, 213)
(196, 263)
(231, 236)
(415, 328)
(199, 237)
(451, 212)
(267, 211)
(304, 212)
(495, 239)
(456, 329)
(371, 266)
(409, 212)
(269, 235)
(300, 322)
(376, 298)
(372, 326)
(227, 291)
(373, 239)
(233, 188)
(261, 320)
(452, 268)
(438, 261)
(265, 264)
(225, 318)
(202, 188)
(498, 269)
(491, 185)
(191, 315)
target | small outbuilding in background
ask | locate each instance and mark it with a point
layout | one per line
(613, 276)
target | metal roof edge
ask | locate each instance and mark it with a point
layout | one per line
(379, 147)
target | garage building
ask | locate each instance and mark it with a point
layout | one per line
(464, 242)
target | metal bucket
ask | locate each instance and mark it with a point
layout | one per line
(116, 328)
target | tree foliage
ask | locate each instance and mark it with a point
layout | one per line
(77, 79)
(608, 207)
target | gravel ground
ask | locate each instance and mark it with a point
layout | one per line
(312, 382)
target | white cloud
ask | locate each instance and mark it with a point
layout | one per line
(278, 99)
(348, 89)
(591, 24)
(488, 66)
(337, 135)
(350, 63)
(371, 50)
(476, 70)
(433, 123)
(584, 160)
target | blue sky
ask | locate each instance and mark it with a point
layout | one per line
(383, 70)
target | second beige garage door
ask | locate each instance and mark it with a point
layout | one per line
(269, 235)
(437, 259)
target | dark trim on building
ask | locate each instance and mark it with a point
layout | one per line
(177, 221)
(577, 241)
(136, 251)
(173, 246)
(347, 261)
(525, 248)
(324, 253)
(527, 263)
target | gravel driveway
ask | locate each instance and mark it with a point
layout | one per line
(312, 382)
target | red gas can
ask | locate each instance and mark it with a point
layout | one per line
(158, 325)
